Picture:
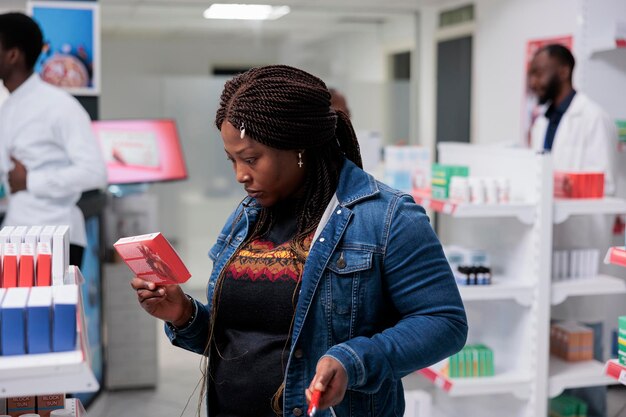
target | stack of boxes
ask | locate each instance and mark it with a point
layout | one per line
(471, 361)
(567, 406)
(42, 405)
(621, 340)
(579, 184)
(571, 341)
(38, 309)
(575, 264)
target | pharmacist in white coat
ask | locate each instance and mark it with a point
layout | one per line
(48, 152)
(581, 137)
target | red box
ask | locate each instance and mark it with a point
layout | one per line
(44, 265)
(47, 403)
(579, 184)
(152, 258)
(26, 277)
(9, 266)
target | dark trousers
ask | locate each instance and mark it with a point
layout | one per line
(76, 255)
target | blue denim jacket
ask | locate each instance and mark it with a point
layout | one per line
(388, 307)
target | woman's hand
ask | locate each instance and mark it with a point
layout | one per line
(166, 302)
(331, 379)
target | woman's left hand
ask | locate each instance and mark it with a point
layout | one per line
(331, 379)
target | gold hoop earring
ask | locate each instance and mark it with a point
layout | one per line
(300, 159)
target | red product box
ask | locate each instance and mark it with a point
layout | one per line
(26, 277)
(152, 258)
(9, 266)
(579, 184)
(44, 265)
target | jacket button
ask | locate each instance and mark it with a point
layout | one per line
(298, 354)
(297, 412)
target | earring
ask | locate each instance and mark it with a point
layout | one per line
(242, 131)
(300, 159)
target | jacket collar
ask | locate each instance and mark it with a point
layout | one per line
(354, 184)
(577, 105)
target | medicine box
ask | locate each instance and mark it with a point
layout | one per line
(65, 304)
(441, 175)
(12, 313)
(38, 320)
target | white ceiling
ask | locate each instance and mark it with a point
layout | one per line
(308, 18)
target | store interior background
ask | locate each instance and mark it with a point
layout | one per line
(158, 58)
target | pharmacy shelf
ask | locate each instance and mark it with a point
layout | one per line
(564, 208)
(599, 285)
(614, 369)
(500, 289)
(564, 375)
(616, 256)
(45, 373)
(524, 212)
(505, 383)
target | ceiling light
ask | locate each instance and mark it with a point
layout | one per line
(245, 11)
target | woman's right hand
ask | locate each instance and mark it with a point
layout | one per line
(166, 302)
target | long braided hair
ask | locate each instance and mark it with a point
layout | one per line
(286, 108)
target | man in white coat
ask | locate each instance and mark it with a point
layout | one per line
(581, 137)
(48, 152)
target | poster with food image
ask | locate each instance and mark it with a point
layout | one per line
(71, 53)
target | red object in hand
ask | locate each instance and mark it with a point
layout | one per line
(315, 403)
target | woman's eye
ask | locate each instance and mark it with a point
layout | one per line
(250, 161)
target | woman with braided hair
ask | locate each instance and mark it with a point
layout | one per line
(323, 278)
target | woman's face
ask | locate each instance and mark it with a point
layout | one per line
(269, 175)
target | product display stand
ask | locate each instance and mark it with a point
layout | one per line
(40, 374)
(512, 316)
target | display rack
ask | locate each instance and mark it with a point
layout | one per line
(40, 374)
(519, 239)
(522, 211)
(615, 370)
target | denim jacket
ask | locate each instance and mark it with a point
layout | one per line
(377, 295)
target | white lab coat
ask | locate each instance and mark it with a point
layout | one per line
(48, 131)
(586, 140)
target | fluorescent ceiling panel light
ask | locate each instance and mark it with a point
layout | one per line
(245, 11)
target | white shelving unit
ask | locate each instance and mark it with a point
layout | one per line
(519, 239)
(564, 375)
(599, 285)
(27, 375)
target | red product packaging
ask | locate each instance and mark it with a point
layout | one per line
(44, 264)
(9, 265)
(27, 266)
(579, 184)
(152, 258)
(17, 406)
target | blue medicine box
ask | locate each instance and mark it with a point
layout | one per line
(39, 320)
(65, 303)
(13, 322)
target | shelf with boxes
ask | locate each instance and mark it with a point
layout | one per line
(512, 383)
(522, 211)
(43, 346)
(509, 232)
